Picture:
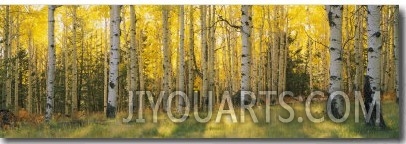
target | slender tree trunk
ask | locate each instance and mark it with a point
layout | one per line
(275, 54)
(335, 21)
(7, 51)
(74, 90)
(204, 58)
(246, 21)
(190, 56)
(16, 68)
(348, 51)
(66, 55)
(51, 64)
(105, 70)
(181, 56)
(358, 50)
(396, 50)
(140, 62)
(281, 36)
(114, 61)
(31, 72)
(211, 52)
(286, 48)
(372, 80)
(167, 57)
(133, 55)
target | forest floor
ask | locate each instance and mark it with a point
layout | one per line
(97, 126)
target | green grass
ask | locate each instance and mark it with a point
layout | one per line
(165, 128)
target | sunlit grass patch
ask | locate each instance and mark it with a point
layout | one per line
(99, 127)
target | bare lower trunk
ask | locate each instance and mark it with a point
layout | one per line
(204, 58)
(335, 22)
(74, 67)
(51, 64)
(372, 80)
(190, 56)
(167, 57)
(114, 61)
(246, 50)
(181, 56)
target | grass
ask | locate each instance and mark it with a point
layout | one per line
(165, 128)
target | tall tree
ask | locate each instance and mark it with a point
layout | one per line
(114, 61)
(335, 21)
(190, 56)
(358, 50)
(17, 66)
(181, 86)
(167, 56)
(246, 21)
(31, 71)
(74, 64)
(373, 77)
(7, 55)
(67, 69)
(51, 64)
(205, 81)
(133, 54)
(396, 50)
(106, 67)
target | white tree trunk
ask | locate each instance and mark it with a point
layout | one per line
(396, 50)
(167, 57)
(7, 52)
(358, 51)
(51, 64)
(246, 21)
(133, 56)
(181, 56)
(191, 58)
(204, 58)
(114, 61)
(372, 86)
(335, 22)
(211, 47)
(74, 66)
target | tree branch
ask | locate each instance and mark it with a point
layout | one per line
(221, 19)
(315, 40)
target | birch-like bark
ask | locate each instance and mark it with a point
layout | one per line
(51, 64)
(246, 21)
(204, 58)
(74, 65)
(181, 56)
(335, 21)
(7, 55)
(114, 61)
(167, 57)
(190, 56)
(372, 84)
(211, 53)
(358, 50)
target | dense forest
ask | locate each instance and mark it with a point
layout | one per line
(73, 60)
